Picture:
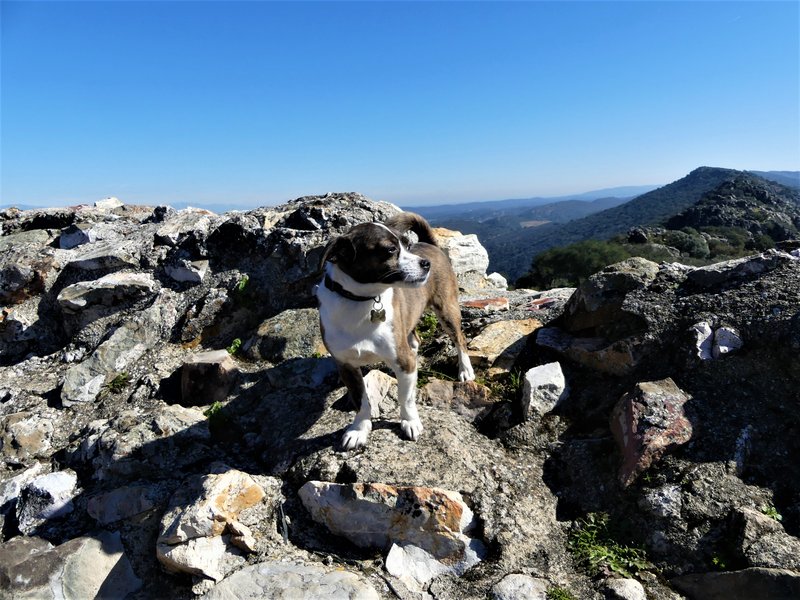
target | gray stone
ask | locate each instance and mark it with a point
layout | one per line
(726, 340)
(27, 435)
(76, 235)
(763, 542)
(517, 586)
(109, 203)
(46, 497)
(740, 268)
(624, 589)
(108, 290)
(11, 488)
(126, 345)
(293, 333)
(415, 567)
(704, 340)
(296, 581)
(207, 377)
(747, 584)
(85, 567)
(123, 503)
(106, 255)
(544, 388)
(664, 502)
(181, 224)
(185, 271)
(133, 445)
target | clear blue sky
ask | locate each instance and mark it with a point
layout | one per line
(250, 103)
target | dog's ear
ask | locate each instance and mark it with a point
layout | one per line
(338, 249)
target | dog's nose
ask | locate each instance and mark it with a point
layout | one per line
(425, 264)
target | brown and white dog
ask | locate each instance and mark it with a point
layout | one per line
(374, 292)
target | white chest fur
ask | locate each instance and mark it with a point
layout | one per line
(350, 335)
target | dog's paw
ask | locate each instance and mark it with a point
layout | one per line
(354, 438)
(465, 373)
(412, 428)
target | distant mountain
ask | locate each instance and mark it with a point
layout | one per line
(789, 178)
(489, 209)
(511, 253)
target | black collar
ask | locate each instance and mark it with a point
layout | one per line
(337, 288)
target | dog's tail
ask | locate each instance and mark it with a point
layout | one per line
(408, 221)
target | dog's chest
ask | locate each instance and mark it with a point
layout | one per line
(351, 336)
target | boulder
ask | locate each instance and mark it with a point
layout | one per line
(287, 580)
(544, 388)
(775, 584)
(85, 567)
(499, 344)
(648, 422)
(293, 333)
(207, 377)
(44, 498)
(517, 586)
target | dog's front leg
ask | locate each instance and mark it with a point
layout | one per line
(407, 397)
(356, 435)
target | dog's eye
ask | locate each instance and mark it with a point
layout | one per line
(391, 250)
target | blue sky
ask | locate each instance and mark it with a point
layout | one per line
(253, 103)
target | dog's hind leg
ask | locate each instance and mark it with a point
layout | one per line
(356, 435)
(450, 320)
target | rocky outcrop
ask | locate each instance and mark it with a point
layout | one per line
(170, 422)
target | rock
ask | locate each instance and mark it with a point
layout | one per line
(11, 488)
(132, 445)
(617, 358)
(191, 538)
(648, 422)
(624, 589)
(76, 235)
(300, 581)
(180, 225)
(381, 389)
(704, 340)
(520, 587)
(85, 567)
(597, 304)
(109, 203)
(106, 255)
(109, 290)
(17, 550)
(26, 435)
(46, 497)
(123, 503)
(291, 334)
(762, 541)
(499, 344)
(185, 271)
(747, 584)
(376, 515)
(726, 340)
(467, 398)
(468, 257)
(722, 273)
(488, 304)
(207, 377)
(664, 502)
(544, 388)
(415, 567)
(127, 344)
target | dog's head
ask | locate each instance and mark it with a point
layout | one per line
(376, 253)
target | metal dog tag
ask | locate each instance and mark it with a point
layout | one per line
(377, 316)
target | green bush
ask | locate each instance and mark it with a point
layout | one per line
(568, 266)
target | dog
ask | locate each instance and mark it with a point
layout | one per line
(374, 290)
